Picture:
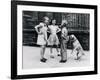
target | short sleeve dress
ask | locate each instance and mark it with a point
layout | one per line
(53, 38)
(41, 37)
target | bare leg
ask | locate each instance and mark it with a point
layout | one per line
(51, 49)
(42, 51)
(51, 52)
(58, 54)
(42, 54)
(57, 48)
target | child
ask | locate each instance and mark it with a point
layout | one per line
(64, 40)
(41, 29)
(53, 38)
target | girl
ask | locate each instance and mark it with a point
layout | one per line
(41, 29)
(53, 38)
(64, 40)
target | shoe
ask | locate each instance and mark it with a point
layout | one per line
(63, 61)
(43, 60)
(58, 54)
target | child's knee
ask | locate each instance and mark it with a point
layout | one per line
(42, 46)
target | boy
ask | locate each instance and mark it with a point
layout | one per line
(64, 40)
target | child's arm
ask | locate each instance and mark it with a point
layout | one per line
(48, 30)
(37, 28)
(45, 36)
(58, 29)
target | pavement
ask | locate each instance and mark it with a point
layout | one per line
(31, 59)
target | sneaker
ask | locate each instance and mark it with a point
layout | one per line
(63, 61)
(58, 54)
(43, 60)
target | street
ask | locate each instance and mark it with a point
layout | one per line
(31, 59)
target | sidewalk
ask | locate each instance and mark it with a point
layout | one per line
(31, 59)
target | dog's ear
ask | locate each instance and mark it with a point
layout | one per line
(72, 38)
(69, 37)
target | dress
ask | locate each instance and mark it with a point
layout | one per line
(53, 38)
(41, 37)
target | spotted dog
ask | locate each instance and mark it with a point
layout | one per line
(76, 47)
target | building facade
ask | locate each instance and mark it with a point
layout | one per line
(78, 24)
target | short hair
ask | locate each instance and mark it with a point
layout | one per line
(45, 17)
(51, 21)
(64, 21)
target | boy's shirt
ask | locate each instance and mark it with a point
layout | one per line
(64, 33)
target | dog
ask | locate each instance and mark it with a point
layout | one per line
(76, 47)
